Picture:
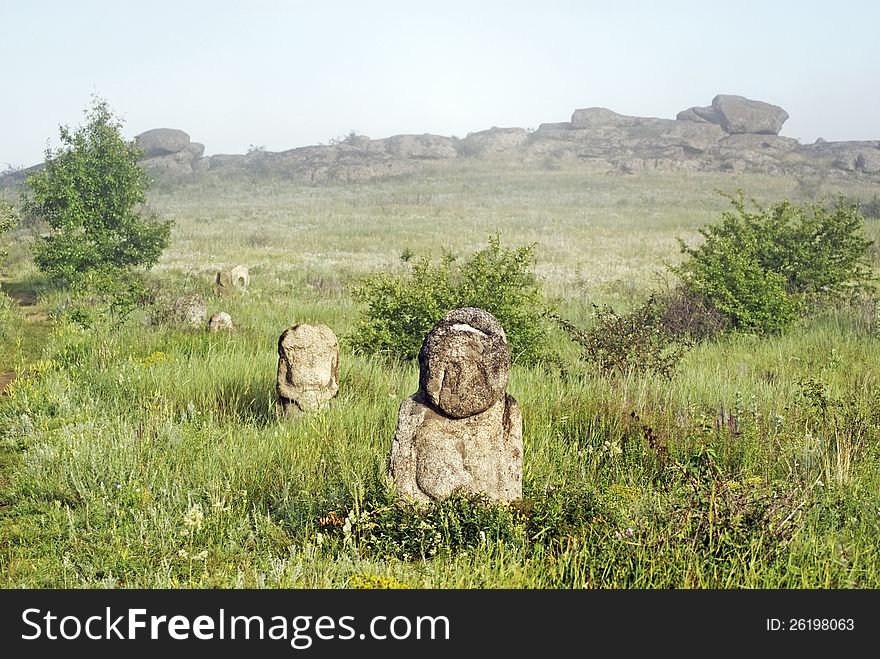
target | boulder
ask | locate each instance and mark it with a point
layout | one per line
(220, 321)
(197, 149)
(162, 141)
(308, 369)
(460, 432)
(189, 310)
(706, 115)
(737, 114)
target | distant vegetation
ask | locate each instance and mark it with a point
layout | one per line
(755, 271)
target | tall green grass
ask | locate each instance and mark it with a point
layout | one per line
(150, 456)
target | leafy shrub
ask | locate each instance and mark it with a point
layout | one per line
(402, 309)
(8, 219)
(633, 342)
(762, 268)
(384, 528)
(689, 316)
(721, 515)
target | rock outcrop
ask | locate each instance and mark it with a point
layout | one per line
(738, 114)
(162, 142)
(494, 140)
(461, 431)
(418, 147)
(169, 151)
(733, 133)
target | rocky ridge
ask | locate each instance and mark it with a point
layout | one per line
(733, 133)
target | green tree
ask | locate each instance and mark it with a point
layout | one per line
(761, 267)
(91, 193)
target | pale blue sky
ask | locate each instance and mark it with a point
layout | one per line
(287, 74)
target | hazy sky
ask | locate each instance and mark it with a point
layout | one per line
(287, 74)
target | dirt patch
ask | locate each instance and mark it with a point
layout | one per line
(5, 379)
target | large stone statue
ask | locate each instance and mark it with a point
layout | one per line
(308, 369)
(460, 431)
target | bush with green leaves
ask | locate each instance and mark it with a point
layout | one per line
(91, 193)
(688, 316)
(636, 342)
(8, 219)
(762, 267)
(402, 309)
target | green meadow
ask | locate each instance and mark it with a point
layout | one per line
(149, 455)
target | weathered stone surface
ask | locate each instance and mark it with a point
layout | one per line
(162, 141)
(197, 149)
(699, 115)
(226, 161)
(434, 455)
(318, 164)
(174, 164)
(223, 284)
(189, 310)
(220, 321)
(598, 138)
(464, 362)
(308, 369)
(493, 140)
(858, 159)
(554, 126)
(599, 117)
(868, 162)
(738, 114)
(417, 147)
(759, 143)
(460, 431)
(240, 276)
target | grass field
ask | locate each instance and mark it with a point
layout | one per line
(149, 455)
